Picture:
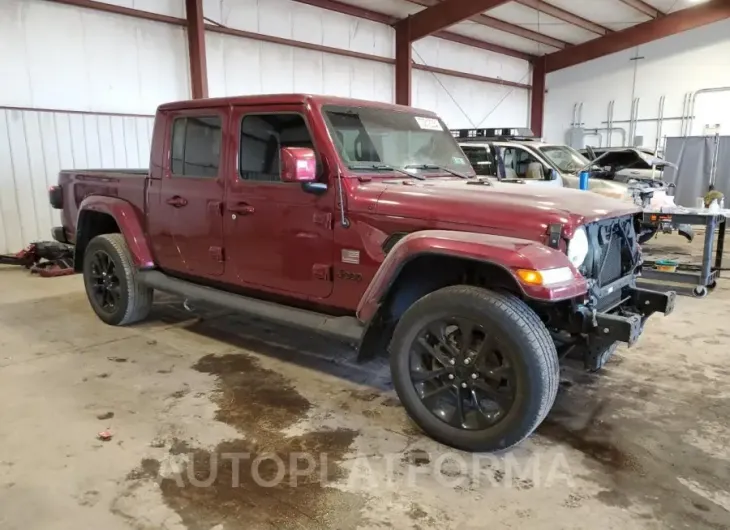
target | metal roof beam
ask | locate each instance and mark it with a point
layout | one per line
(565, 16)
(445, 14)
(360, 12)
(482, 45)
(501, 25)
(665, 26)
(643, 7)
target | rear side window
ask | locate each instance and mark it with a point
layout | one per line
(196, 146)
(262, 137)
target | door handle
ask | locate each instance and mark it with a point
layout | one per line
(177, 201)
(241, 208)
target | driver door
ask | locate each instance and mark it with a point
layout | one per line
(279, 237)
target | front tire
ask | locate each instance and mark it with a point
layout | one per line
(475, 369)
(114, 293)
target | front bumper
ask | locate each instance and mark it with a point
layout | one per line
(625, 322)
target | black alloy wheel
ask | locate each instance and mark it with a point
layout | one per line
(115, 294)
(105, 285)
(475, 369)
(462, 374)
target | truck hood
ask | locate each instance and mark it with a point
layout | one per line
(512, 208)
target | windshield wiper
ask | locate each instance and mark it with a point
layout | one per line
(385, 167)
(440, 168)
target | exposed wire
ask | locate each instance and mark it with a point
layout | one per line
(444, 87)
(524, 78)
(214, 22)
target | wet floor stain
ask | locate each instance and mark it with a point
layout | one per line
(634, 472)
(265, 480)
(593, 440)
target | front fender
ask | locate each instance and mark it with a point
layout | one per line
(507, 253)
(130, 222)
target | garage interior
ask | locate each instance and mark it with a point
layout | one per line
(98, 419)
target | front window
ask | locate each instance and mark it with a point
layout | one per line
(565, 158)
(521, 164)
(376, 138)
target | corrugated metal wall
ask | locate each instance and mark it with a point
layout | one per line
(58, 56)
(35, 145)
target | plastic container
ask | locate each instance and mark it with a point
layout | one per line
(583, 179)
(666, 265)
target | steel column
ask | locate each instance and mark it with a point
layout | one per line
(403, 62)
(537, 102)
(196, 48)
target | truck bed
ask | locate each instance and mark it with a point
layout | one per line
(127, 184)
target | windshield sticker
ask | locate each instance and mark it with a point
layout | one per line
(430, 124)
(458, 160)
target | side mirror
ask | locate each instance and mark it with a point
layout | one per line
(298, 164)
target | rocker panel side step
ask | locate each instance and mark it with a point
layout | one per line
(348, 328)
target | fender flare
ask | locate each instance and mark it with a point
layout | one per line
(130, 222)
(507, 253)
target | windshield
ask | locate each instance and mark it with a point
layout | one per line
(565, 158)
(378, 139)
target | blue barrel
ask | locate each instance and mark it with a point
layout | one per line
(583, 179)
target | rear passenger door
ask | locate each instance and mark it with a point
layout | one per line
(279, 236)
(189, 215)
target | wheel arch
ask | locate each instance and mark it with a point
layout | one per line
(108, 215)
(423, 273)
(428, 260)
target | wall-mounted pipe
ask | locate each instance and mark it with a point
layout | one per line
(580, 114)
(594, 130)
(631, 121)
(691, 113)
(600, 137)
(609, 122)
(659, 124)
(682, 124)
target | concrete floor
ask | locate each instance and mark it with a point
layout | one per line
(645, 444)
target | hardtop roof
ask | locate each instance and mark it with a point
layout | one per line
(289, 99)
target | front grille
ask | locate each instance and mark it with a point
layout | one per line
(612, 250)
(610, 269)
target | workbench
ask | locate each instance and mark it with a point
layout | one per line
(703, 276)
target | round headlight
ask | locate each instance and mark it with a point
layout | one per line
(578, 247)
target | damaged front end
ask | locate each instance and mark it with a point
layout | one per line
(614, 308)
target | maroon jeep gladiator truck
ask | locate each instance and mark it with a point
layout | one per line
(365, 221)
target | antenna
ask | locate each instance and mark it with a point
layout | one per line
(344, 221)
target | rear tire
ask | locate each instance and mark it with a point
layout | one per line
(111, 285)
(504, 378)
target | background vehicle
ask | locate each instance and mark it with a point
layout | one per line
(365, 221)
(627, 163)
(528, 160)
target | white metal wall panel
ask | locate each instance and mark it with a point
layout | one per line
(58, 56)
(239, 66)
(35, 146)
(670, 67)
(454, 56)
(463, 103)
(173, 8)
(297, 21)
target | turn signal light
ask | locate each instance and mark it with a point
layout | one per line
(546, 276)
(530, 276)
